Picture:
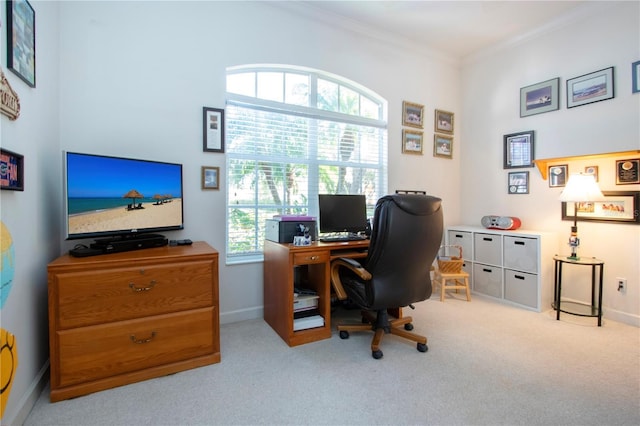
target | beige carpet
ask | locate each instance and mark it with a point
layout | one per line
(488, 364)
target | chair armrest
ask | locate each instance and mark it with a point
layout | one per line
(351, 264)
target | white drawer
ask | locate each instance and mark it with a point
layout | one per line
(521, 287)
(463, 239)
(487, 280)
(488, 249)
(521, 253)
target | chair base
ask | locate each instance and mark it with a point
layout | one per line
(452, 281)
(380, 325)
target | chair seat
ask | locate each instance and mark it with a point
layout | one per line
(452, 281)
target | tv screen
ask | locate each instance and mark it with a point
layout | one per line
(108, 196)
(342, 213)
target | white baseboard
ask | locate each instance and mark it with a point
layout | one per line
(623, 317)
(29, 399)
(241, 315)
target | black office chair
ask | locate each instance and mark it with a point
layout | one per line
(406, 235)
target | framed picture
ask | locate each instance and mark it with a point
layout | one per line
(627, 171)
(210, 177)
(443, 146)
(11, 170)
(444, 122)
(213, 129)
(558, 175)
(539, 98)
(21, 40)
(592, 170)
(411, 142)
(618, 206)
(518, 183)
(635, 77)
(594, 87)
(518, 150)
(412, 114)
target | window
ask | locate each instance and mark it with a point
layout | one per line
(291, 134)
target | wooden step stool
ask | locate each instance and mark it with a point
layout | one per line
(457, 281)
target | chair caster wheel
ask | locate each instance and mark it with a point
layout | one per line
(344, 334)
(408, 327)
(377, 354)
(422, 347)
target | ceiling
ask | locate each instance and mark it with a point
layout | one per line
(455, 28)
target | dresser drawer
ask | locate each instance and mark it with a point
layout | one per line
(308, 258)
(488, 249)
(95, 297)
(108, 350)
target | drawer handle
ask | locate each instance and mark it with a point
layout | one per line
(487, 270)
(141, 341)
(521, 243)
(520, 277)
(133, 287)
(458, 236)
(313, 257)
(488, 239)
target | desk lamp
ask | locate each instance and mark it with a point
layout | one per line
(580, 188)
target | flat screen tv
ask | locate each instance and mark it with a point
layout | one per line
(125, 197)
(342, 213)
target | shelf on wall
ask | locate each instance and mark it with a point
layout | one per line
(543, 164)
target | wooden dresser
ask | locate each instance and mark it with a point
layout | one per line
(125, 317)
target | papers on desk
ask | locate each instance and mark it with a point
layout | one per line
(308, 322)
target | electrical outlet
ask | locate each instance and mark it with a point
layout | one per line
(622, 284)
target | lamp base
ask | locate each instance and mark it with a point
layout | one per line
(572, 257)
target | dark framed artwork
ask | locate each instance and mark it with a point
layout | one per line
(11, 170)
(540, 97)
(212, 130)
(627, 171)
(444, 122)
(617, 206)
(210, 177)
(518, 149)
(412, 114)
(589, 88)
(635, 77)
(558, 175)
(443, 146)
(21, 40)
(411, 142)
(518, 183)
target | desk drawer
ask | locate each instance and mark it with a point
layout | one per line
(96, 352)
(87, 298)
(308, 258)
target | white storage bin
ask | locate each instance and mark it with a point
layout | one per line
(487, 280)
(521, 253)
(488, 249)
(521, 287)
(463, 239)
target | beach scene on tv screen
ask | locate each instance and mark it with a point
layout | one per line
(107, 194)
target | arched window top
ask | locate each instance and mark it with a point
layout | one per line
(304, 88)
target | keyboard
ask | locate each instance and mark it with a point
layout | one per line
(342, 238)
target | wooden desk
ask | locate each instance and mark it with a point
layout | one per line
(311, 264)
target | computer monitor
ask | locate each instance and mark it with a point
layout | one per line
(342, 213)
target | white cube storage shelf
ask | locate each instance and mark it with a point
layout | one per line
(513, 266)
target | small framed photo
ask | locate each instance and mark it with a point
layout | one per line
(11, 170)
(593, 87)
(635, 77)
(558, 175)
(213, 130)
(21, 40)
(518, 150)
(518, 183)
(210, 177)
(412, 114)
(540, 97)
(411, 142)
(592, 170)
(444, 122)
(627, 171)
(443, 146)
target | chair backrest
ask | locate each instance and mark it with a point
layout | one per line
(406, 235)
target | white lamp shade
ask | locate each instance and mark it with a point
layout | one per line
(581, 187)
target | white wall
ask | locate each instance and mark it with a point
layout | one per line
(490, 99)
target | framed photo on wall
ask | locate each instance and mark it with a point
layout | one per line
(444, 122)
(518, 149)
(592, 170)
(589, 88)
(412, 114)
(627, 171)
(518, 183)
(411, 142)
(558, 175)
(21, 40)
(635, 77)
(210, 177)
(540, 97)
(617, 206)
(212, 130)
(443, 146)
(11, 170)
